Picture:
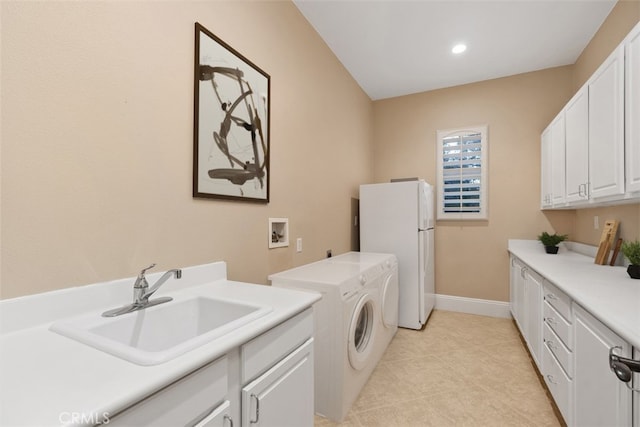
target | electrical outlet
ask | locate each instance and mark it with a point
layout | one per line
(329, 253)
(596, 222)
(299, 244)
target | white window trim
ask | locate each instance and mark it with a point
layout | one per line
(484, 175)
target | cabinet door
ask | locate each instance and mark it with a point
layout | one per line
(219, 417)
(557, 160)
(606, 127)
(519, 307)
(514, 272)
(632, 110)
(533, 295)
(282, 396)
(185, 402)
(636, 395)
(600, 399)
(577, 146)
(545, 169)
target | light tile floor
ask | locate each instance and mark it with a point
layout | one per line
(460, 370)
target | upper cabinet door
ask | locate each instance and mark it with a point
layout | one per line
(632, 110)
(545, 169)
(557, 161)
(606, 127)
(576, 118)
(552, 188)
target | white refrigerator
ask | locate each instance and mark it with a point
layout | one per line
(398, 218)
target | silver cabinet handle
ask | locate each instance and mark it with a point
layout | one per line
(551, 345)
(228, 418)
(551, 297)
(623, 368)
(523, 271)
(253, 396)
(550, 320)
(551, 379)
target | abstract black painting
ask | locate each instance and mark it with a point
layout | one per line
(231, 123)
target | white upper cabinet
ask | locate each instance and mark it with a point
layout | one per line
(632, 109)
(558, 161)
(545, 169)
(597, 160)
(553, 164)
(606, 127)
(577, 147)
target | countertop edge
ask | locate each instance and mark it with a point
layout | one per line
(124, 383)
(589, 285)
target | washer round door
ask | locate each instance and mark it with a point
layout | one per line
(389, 301)
(362, 332)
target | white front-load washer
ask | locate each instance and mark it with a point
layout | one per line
(354, 322)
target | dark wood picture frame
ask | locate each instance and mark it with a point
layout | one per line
(231, 123)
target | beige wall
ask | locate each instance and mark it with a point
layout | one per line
(96, 150)
(471, 257)
(97, 101)
(620, 21)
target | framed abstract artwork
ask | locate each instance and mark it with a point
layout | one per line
(231, 123)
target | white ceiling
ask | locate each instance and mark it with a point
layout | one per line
(398, 47)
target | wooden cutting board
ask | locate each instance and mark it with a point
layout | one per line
(606, 241)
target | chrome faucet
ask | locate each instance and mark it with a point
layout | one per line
(142, 292)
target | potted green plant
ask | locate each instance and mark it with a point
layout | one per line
(631, 251)
(550, 241)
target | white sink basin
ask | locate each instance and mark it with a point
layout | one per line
(160, 333)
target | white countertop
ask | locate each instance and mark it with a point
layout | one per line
(606, 292)
(45, 376)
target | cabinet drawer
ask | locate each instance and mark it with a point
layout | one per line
(558, 300)
(558, 383)
(559, 324)
(261, 353)
(559, 350)
(185, 402)
(219, 417)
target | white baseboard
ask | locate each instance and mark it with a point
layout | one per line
(482, 307)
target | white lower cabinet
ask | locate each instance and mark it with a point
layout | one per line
(557, 338)
(266, 382)
(274, 398)
(558, 383)
(571, 350)
(219, 417)
(516, 288)
(533, 295)
(185, 402)
(600, 399)
(636, 394)
(526, 305)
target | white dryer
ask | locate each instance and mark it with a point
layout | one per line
(354, 322)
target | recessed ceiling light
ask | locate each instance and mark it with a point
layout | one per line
(459, 48)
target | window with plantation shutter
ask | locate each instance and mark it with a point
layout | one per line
(462, 173)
